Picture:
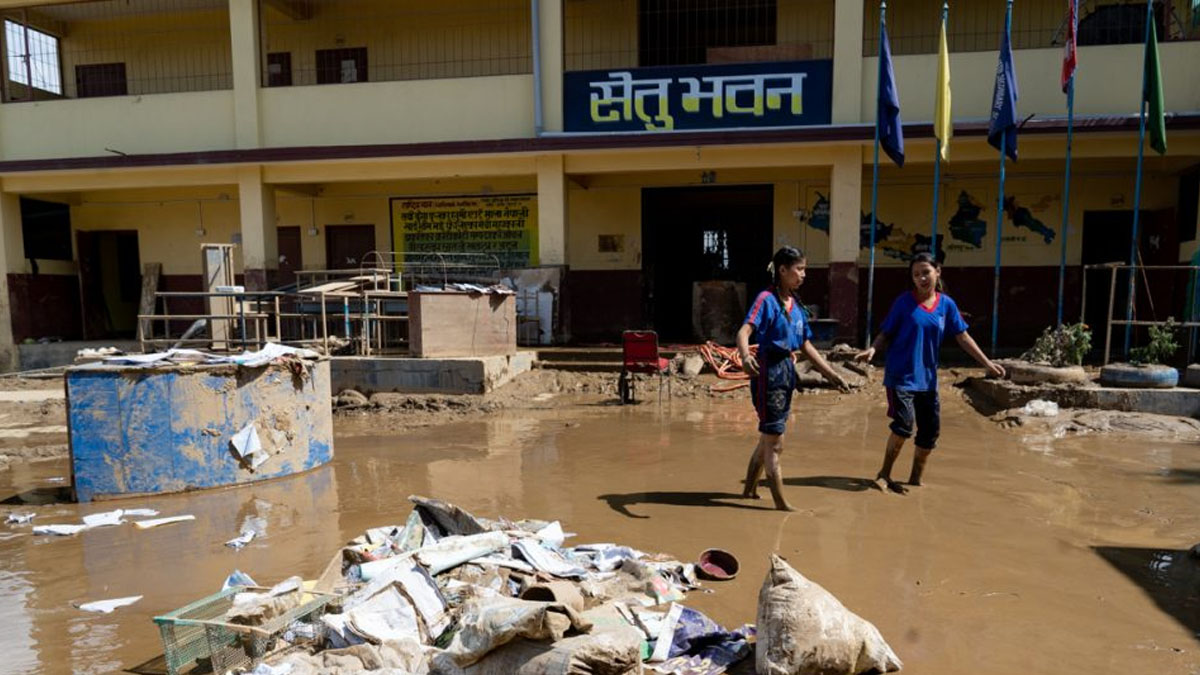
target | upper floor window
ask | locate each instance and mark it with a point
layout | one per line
(33, 57)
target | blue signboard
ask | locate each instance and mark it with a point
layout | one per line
(787, 93)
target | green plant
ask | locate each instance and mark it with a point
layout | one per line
(1062, 346)
(1162, 345)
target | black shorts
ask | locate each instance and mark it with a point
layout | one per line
(771, 393)
(922, 409)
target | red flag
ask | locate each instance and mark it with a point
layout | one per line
(1069, 57)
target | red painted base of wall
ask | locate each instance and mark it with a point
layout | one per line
(45, 305)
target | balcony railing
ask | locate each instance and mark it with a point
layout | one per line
(116, 48)
(636, 33)
(913, 26)
(318, 42)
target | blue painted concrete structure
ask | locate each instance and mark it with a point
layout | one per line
(157, 430)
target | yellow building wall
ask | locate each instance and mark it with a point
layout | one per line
(186, 122)
(601, 211)
(447, 39)
(167, 222)
(1108, 82)
(163, 52)
(398, 112)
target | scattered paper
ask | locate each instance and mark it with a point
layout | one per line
(141, 513)
(666, 634)
(147, 524)
(551, 534)
(107, 606)
(238, 542)
(60, 530)
(248, 447)
(386, 616)
(19, 518)
(546, 560)
(104, 519)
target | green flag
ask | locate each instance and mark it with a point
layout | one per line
(1152, 95)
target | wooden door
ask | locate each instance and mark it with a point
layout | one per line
(289, 254)
(347, 245)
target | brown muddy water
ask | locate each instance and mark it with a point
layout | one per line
(1020, 555)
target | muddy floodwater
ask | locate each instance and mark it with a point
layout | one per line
(1021, 554)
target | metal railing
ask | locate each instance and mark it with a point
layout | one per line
(385, 40)
(913, 27)
(116, 48)
(1118, 287)
(631, 33)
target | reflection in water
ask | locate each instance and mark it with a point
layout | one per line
(1170, 578)
(986, 569)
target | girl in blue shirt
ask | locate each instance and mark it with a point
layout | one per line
(912, 335)
(777, 322)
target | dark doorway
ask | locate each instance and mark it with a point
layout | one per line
(289, 254)
(110, 282)
(701, 234)
(1106, 237)
(347, 245)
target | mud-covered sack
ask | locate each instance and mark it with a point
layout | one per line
(604, 652)
(488, 623)
(804, 630)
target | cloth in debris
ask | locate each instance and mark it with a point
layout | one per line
(394, 656)
(250, 359)
(386, 616)
(606, 652)
(489, 623)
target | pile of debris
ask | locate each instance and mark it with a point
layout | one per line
(450, 593)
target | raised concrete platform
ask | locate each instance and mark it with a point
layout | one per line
(54, 354)
(1177, 401)
(466, 375)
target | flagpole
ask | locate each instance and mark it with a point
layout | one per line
(1137, 190)
(875, 179)
(1066, 202)
(937, 166)
(1000, 210)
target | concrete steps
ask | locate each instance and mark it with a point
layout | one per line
(586, 359)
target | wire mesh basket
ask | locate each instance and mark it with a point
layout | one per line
(197, 634)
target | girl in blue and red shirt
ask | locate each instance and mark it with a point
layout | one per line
(778, 324)
(912, 334)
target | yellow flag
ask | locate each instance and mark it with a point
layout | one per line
(943, 126)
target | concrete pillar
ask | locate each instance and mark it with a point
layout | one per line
(845, 216)
(551, 57)
(260, 240)
(244, 36)
(847, 61)
(12, 250)
(552, 210)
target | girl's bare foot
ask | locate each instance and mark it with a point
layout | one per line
(885, 484)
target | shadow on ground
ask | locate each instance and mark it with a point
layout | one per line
(621, 502)
(1168, 576)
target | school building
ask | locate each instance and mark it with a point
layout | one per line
(636, 150)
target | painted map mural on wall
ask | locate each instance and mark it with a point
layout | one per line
(965, 230)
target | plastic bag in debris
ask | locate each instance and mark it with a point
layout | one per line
(804, 630)
(488, 623)
(447, 518)
(607, 652)
(1040, 408)
(256, 608)
(394, 656)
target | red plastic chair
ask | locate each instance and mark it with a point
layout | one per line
(639, 350)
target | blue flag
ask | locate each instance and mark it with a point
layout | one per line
(1004, 101)
(887, 114)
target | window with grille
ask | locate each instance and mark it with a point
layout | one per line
(33, 57)
(686, 32)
